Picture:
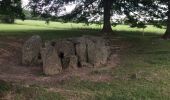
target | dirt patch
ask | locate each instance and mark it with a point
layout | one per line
(11, 69)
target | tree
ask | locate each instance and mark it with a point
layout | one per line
(82, 12)
(107, 14)
(138, 12)
(9, 10)
(156, 12)
(167, 33)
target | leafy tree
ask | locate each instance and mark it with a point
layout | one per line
(167, 3)
(138, 12)
(9, 10)
(156, 12)
(82, 12)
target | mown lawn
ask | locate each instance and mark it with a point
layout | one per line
(143, 74)
(57, 29)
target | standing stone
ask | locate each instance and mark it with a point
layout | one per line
(31, 50)
(65, 50)
(81, 50)
(51, 61)
(73, 62)
(97, 51)
(91, 51)
(65, 47)
(70, 62)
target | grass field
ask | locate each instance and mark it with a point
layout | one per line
(143, 74)
(28, 28)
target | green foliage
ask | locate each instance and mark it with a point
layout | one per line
(9, 10)
(36, 93)
(4, 87)
(138, 13)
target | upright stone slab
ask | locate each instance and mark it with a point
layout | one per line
(31, 50)
(51, 61)
(70, 62)
(81, 50)
(64, 47)
(97, 51)
(91, 51)
(73, 62)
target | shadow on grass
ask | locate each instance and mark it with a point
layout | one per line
(63, 33)
(137, 34)
(50, 34)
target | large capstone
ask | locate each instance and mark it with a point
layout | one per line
(51, 60)
(31, 50)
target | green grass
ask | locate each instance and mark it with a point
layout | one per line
(57, 29)
(35, 93)
(4, 87)
(143, 74)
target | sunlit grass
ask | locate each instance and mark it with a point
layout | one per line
(40, 25)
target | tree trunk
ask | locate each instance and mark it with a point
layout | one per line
(107, 15)
(167, 33)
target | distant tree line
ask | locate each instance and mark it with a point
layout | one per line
(9, 10)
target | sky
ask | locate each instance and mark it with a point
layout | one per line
(24, 2)
(69, 8)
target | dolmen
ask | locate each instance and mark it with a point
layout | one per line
(69, 53)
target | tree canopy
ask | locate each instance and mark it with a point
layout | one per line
(82, 12)
(10, 9)
(137, 12)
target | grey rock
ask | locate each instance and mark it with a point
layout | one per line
(65, 47)
(31, 50)
(51, 61)
(92, 50)
(97, 51)
(81, 49)
(70, 62)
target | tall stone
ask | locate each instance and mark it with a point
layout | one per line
(51, 61)
(97, 51)
(81, 50)
(31, 50)
(70, 62)
(92, 50)
(64, 47)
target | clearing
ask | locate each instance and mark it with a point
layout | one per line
(141, 70)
